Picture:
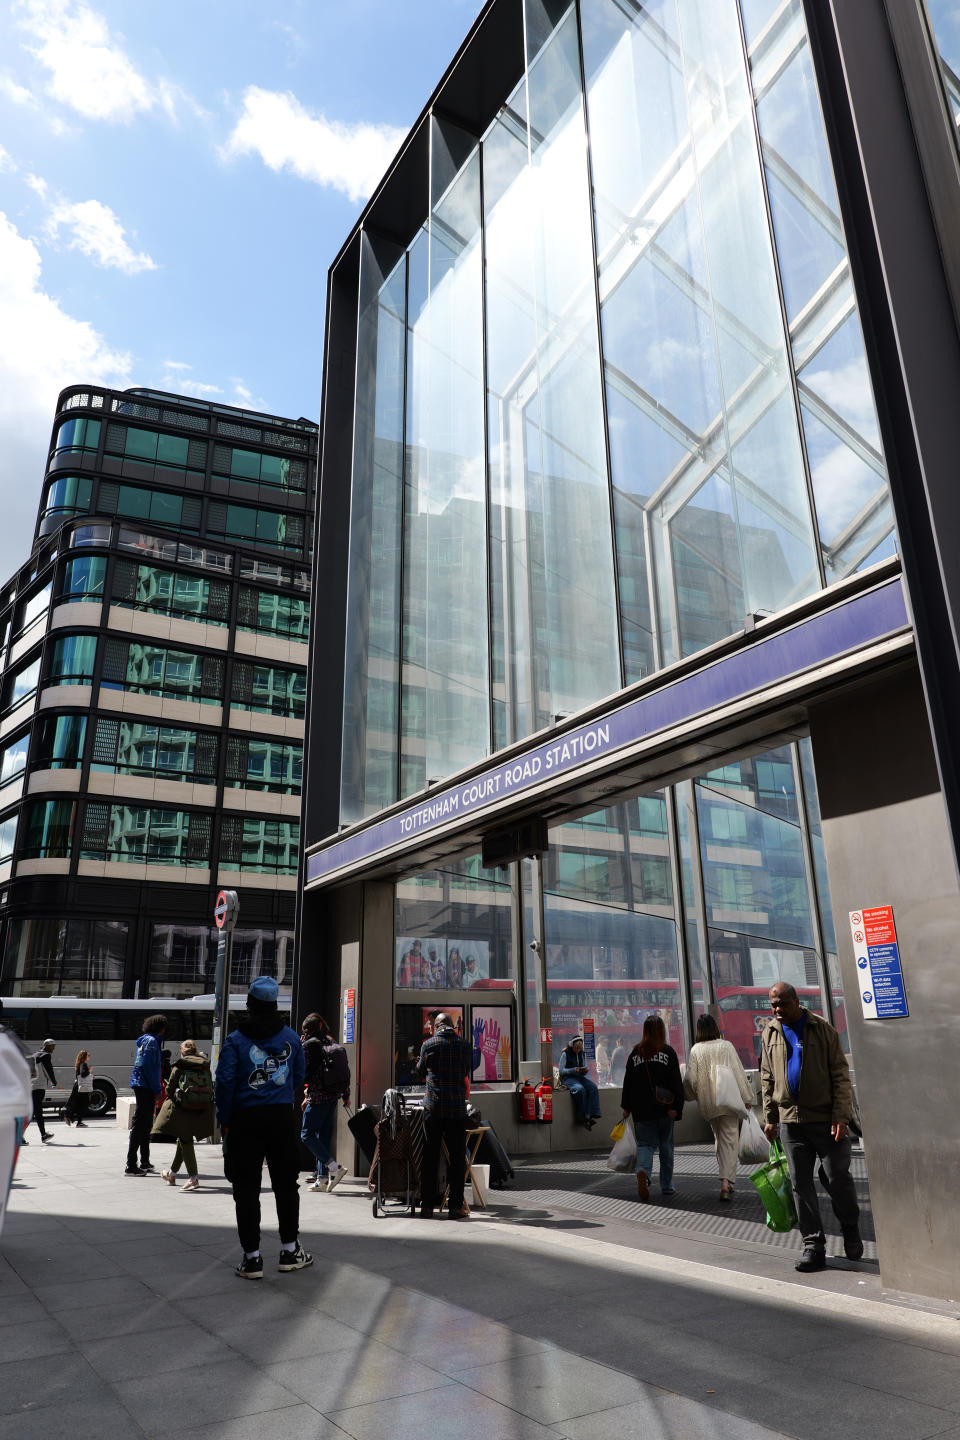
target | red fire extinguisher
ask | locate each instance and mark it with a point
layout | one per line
(528, 1103)
(544, 1093)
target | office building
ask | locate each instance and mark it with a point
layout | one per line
(153, 694)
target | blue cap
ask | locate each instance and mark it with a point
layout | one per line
(265, 988)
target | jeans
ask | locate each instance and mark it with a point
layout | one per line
(184, 1154)
(259, 1133)
(316, 1131)
(803, 1145)
(655, 1135)
(454, 1131)
(38, 1099)
(141, 1127)
(586, 1098)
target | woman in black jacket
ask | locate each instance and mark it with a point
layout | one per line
(653, 1095)
(76, 1106)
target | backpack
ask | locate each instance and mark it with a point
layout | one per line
(194, 1088)
(332, 1075)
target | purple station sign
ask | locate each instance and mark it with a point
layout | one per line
(847, 627)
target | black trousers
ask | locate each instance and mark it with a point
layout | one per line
(141, 1127)
(258, 1134)
(804, 1145)
(76, 1107)
(38, 1097)
(435, 1129)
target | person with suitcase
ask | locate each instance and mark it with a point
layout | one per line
(445, 1062)
(259, 1075)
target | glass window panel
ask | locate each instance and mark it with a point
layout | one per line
(141, 444)
(73, 660)
(245, 464)
(372, 684)
(21, 683)
(33, 609)
(49, 829)
(445, 505)
(60, 742)
(182, 961)
(8, 836)
(78, 434)
(13, 759)
(945, 19)
(554, 625)
(67, 495)
(172, 450)
(84, 577)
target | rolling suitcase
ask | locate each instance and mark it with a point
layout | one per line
(361, 1126)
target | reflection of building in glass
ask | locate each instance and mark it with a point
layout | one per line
(153, 691)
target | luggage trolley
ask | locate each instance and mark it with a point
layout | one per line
(395, 1172)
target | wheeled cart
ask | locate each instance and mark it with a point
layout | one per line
(395, 1172)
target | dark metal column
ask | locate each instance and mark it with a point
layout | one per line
(892, 154)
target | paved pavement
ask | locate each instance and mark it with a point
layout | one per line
(120, 1316)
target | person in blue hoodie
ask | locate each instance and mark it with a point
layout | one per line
(145, 1082)
(259, 1074)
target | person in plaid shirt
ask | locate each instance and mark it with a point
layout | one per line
(445, 1062)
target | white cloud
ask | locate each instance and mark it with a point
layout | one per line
(89, 70)
(286, 136)
(42, 350)
(176, 365)
(97, 233)
(177, 382)
(6, 160)
(12, 91)
(37, 185)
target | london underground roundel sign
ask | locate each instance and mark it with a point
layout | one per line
(220, 910)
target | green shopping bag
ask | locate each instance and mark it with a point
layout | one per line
(772, 1183)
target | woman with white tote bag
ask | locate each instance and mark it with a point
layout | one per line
(717, 1081)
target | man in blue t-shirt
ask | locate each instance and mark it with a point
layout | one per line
(259, 1073)
(807, 1095)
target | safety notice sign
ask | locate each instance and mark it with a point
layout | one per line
(877, 955)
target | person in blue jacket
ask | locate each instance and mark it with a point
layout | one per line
(259, 1075)
(145, 1082)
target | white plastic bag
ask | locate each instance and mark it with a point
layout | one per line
(754, 1146)
(623, 1156)
(728, 1096)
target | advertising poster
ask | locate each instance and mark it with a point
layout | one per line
(492, 1043)
(432, 963)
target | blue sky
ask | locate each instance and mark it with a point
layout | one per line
(174, 182)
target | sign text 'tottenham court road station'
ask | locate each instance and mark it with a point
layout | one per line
(508, 777)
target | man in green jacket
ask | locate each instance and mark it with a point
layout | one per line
(806, 1088)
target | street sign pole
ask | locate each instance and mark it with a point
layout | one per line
(225, 917)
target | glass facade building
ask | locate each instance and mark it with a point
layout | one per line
(636, 536)
(153, 682)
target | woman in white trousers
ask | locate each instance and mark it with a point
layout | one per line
(717, 1081)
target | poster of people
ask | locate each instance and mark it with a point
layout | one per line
(414, 1025)
(492, 1043)
(425, 963)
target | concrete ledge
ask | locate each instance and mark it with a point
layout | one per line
(126, 1106)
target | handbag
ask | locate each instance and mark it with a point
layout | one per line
(728, 1095)
(660, 1093)
(85, 1083)
(772, 1184)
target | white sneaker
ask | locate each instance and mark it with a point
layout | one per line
(192, 1183)
(335, 1177)
(318, 1185)
(169, 1176)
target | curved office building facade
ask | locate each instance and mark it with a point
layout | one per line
(632, 483)
(153, 695)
